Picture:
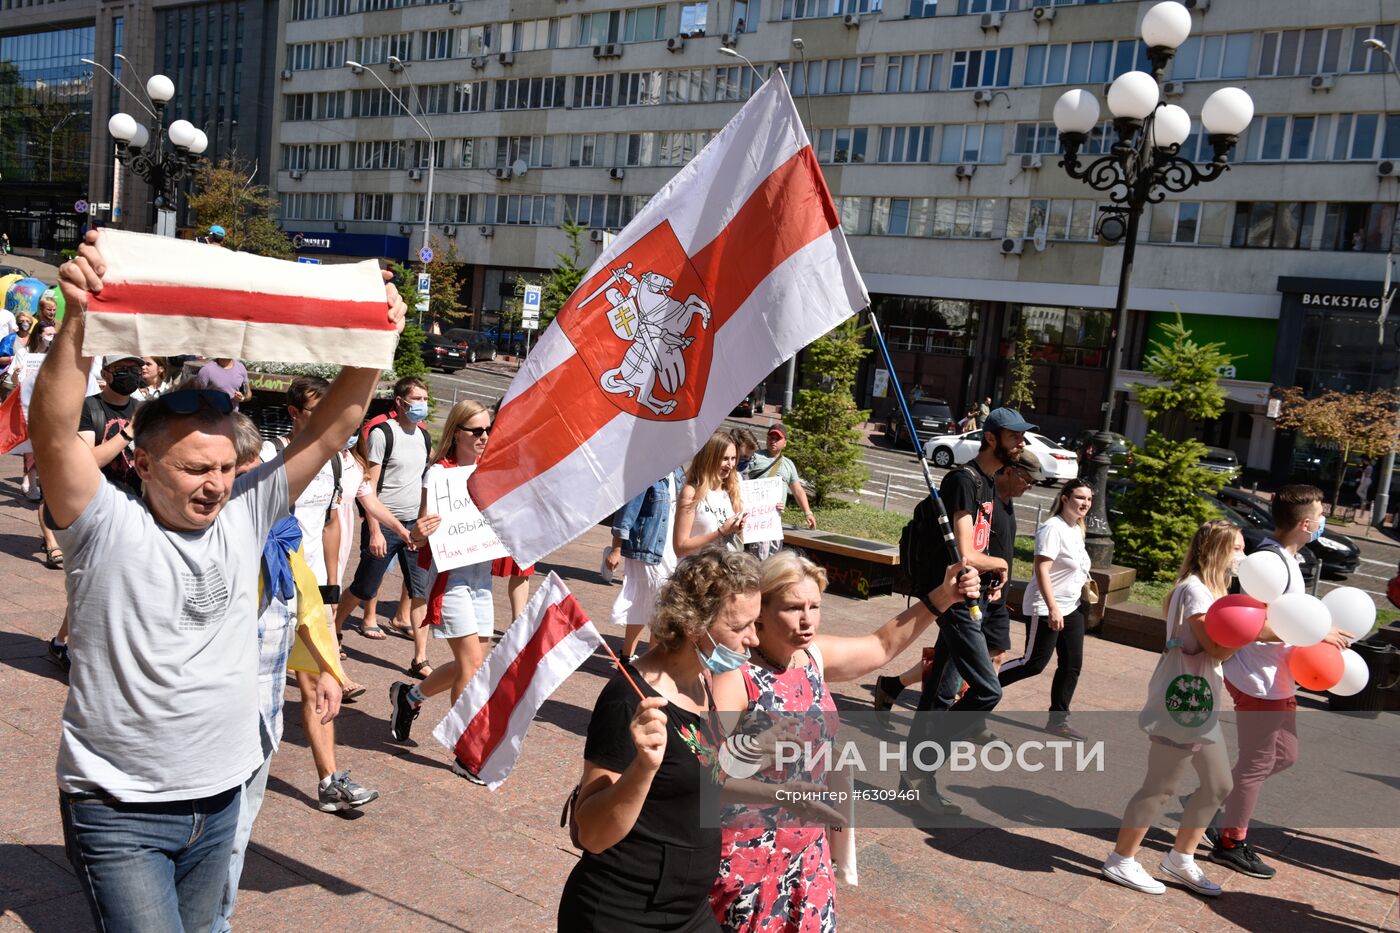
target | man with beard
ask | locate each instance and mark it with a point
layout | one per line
(969, 494)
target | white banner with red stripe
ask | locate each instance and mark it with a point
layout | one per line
(166, 297)
(731, 268)
(486, 726)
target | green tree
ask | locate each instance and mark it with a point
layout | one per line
(566, 275)
(224, 194)
(445, 288)
(1165, 504)
(1361, 422)
(823, 425)
(408, 355)
(1021, 394)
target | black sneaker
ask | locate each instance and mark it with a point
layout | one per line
(1212, 837)
(1243, 859)
(58, 654)
(462, 770)
(930, 800)
(402, 711)
(886, 691)
(1064, 730)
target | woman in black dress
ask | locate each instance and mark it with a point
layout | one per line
(650, 773)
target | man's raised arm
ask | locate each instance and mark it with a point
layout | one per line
(70, 474)
(338, 415)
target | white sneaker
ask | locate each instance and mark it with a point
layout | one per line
(1130, 874)
(1192, 877)
(35, 493)
(604, 570)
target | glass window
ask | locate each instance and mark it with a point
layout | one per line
(1363, 140)
(1300, 143)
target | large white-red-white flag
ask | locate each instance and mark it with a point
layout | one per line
(486, 726)
(729, 270)
(164, 297)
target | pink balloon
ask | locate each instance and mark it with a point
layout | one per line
(1235, 621)
(1317, 667)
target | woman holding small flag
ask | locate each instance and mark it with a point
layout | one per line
(650, 852)
(775, 870)
(711, 510)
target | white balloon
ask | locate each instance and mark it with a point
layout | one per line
(1263, 576)
(1352, 610)
(1355, 674)
(1299, 619)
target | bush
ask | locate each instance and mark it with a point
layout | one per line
(823, 425)
(408, 355)
(1163, 507)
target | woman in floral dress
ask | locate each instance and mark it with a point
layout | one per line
(775, 870)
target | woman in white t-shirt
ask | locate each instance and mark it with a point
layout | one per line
(1214, 553)
(1052, 605)
(711, 510)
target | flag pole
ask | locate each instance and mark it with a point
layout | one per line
(618, 662)
(954, 556)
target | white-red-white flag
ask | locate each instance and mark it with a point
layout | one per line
(486, 726)
(164, 297)
(731, 268)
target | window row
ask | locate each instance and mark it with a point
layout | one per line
(611, 211)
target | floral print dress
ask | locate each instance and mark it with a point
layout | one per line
(775, 869)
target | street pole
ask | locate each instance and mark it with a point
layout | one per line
(1387, 470)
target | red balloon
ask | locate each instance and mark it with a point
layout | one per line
(1317, 667)
(1236, 620)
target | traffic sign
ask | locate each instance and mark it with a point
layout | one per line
(532, 299)
(425, 254)
(309, 260)
(80, 207)
(529, 323)
(425, 287)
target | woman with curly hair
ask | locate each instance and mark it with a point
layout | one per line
(650, 854)
(711, 511)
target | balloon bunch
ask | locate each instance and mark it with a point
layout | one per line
(1300, 620)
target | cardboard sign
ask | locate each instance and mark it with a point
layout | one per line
(464, 537)
(764, 500)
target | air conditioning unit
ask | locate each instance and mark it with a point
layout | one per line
(597, 235)
(405, 229)
(1198, 5)
(729, 40)
(1386, 169)
(454, 7)
(486, 230)
(478, 62)
(852, 20)
(1012, 246)
(617, 174)
(611, 50)
(675, 43)
(506, 58)
(1030, 162)
(448, 230)
(991, 22)
(502, 174)
(1322, 82)
(1042, 14)
(981, 98)
(340, 226)
(357, 69)
(298, 174)
(286, 74)
(415, 174)
(1173, 88)
(966, 170)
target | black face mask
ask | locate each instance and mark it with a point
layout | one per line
(125, 381)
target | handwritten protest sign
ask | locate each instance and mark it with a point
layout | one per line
(764, 499)
(464, 537)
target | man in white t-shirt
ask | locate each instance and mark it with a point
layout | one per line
(1258, 680)
(161, 726)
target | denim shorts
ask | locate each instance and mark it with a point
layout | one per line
(370, 572)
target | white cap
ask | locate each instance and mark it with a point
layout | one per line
(113, 358)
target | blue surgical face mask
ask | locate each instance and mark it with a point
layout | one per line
(723, 659)
(1317, 532)
(418, 411)
(350, 444)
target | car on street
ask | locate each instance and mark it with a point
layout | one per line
(1120, 452)
(931, 416)
(751, 404)
(1338, 554)
(1221, 460)
(1057, 464)
(456, 348)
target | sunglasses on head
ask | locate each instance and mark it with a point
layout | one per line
(475, 432)
(189, 401)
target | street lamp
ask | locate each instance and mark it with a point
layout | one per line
(143, 150)
(394, 62)
(1142, 168)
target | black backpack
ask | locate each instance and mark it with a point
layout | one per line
(923, 555)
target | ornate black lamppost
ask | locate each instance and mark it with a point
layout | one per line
(144, 151)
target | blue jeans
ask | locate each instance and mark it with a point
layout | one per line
(151, 867)
(960, 638)
(995, 625)
(252, 801)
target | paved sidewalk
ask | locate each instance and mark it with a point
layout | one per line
(436, 853)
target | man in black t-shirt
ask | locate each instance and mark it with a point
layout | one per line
(106, 419)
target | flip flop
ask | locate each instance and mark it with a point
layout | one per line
(372, 632)
(351, 694)
(400, 631)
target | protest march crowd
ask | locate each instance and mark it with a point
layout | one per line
(204, 565)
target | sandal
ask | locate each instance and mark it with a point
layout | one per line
(340, 643)
(402, 631)
(420, 669)
(372, 632)
(351, 693)
(53, 558)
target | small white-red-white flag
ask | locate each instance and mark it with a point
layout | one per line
(165, 297)
(731, 268)
(486, 726)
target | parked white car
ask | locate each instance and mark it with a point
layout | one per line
(1057, 464)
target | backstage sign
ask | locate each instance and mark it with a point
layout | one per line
(1340, 302)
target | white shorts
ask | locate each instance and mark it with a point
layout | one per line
(640, 585)
(466, 603)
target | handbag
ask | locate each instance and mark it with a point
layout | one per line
(1089, 594)
(1184, 694)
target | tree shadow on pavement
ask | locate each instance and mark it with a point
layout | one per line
(566, 716)
(29, 653)
(1007, 850)
(1250, 911)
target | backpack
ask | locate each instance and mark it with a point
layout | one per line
(383, 421)
(923, 555)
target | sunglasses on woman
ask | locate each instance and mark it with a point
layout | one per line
(475, 432)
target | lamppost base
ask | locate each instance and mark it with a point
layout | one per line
(1098, 534)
